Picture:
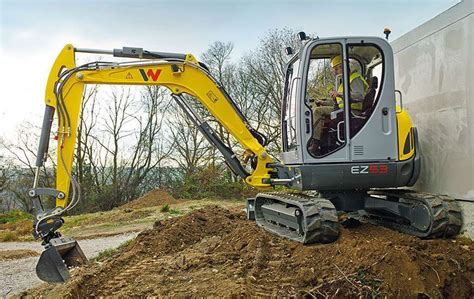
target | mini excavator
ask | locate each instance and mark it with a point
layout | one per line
(352, 157)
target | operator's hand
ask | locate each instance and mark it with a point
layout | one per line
(319, 102)
(334, 94)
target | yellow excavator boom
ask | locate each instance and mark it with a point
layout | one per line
(180, 77)
(181, 74)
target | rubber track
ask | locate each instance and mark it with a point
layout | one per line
(445, 213)
(320, 222)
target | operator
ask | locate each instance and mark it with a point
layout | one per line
(358, 88)
(357, 83)
(321, 109)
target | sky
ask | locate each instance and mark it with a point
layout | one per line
(32, 33)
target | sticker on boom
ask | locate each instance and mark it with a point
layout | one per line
(150, 74)
(370, 169)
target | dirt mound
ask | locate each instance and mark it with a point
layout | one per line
(153, 198)
(216, 252)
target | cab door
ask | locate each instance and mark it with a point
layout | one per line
(373, 129)
(324, 122)
(291, 140)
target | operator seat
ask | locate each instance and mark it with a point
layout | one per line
(369, 98)
(358, 121)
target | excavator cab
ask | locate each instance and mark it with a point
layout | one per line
(361, 124)
(344, 139)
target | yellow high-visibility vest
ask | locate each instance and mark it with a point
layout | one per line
(340, 101)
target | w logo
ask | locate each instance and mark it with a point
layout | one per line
(150, 74)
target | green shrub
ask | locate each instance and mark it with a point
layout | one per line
(165, 208)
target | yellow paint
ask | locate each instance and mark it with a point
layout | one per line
(65, 60)
(190, 80)
(404, 125)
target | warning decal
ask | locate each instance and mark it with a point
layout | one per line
(212, 96)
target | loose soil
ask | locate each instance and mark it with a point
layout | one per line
(217, 252)
(153, 198)
(16, 254)
(18, 275)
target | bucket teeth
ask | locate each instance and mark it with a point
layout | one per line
(61, 254)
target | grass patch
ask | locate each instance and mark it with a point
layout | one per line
(14, 216)
(105, 254)
(165, 208)
(8, 236)
(175, 212)
(16, 228)
(114, 218)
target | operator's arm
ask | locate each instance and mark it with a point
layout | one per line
(325, 102)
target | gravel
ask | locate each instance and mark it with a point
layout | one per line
(19, 275)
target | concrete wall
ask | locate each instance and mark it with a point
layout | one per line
(434, 69)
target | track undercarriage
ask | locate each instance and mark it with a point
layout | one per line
(313, 218)
(299, 217)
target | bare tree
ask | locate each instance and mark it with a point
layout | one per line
(264, 69)
(121, 145)
(87, 123)
(191, 149)
(4, 180)
(217, 58)
(256, 82)
(21, 160)
(150, 148)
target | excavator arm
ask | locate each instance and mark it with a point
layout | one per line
(181, 74)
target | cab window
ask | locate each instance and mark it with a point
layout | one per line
(325, 94)
(365, 80)
(289, 109)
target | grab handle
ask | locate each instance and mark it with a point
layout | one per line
(339, 130)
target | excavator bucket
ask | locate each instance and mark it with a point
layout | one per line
(61, 254)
